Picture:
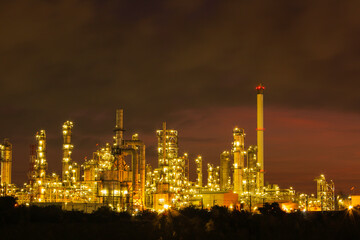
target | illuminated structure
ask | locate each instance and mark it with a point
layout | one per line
(32, 160)
(325, 193)
(260, 133)
(238, 151)
(70, 169)
(225, 171)
(117, 175)
(39, 168)
(112, 179)
(168, 154)
(324, 200)
(170, 184)
(40, 165)
(6, 160)
(198, 162)
(251, 172)
(185, 160)
(213, 177)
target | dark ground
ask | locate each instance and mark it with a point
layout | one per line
(52, 223)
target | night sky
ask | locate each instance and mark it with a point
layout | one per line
(194, 64)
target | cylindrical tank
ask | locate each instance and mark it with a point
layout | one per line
(224, 170)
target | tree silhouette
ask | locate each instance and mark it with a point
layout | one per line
(271, 209)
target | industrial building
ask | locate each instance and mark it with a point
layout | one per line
(117, 175)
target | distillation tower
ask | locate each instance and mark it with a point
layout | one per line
(238, 151)
(6, 161)
(198, 162)
(225, 171)
(172, 173)
(40, 162)
(70, 170)
(213, 177)
(40, 167)
(251, 172)
(168, 184)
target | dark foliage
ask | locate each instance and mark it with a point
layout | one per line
(271, 209)
(190, 223)
(7, 203)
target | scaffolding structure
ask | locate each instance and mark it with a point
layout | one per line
(325, 193)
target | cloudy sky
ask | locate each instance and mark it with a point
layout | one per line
(194, 64)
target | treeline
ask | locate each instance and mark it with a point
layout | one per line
(51, 222)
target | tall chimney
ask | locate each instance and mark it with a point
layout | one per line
(260, 133)
(119, 127)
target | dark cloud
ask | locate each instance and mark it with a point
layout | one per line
(166, 60)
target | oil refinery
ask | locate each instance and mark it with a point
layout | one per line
(118, 176)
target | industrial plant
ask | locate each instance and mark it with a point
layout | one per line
(119, 177)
